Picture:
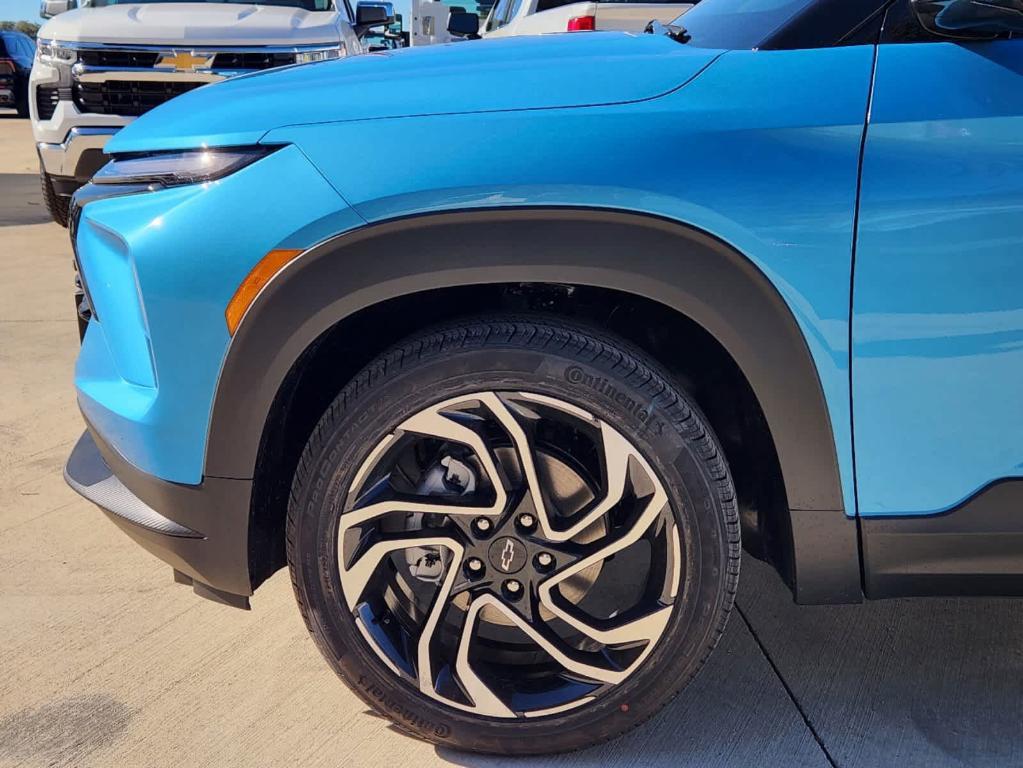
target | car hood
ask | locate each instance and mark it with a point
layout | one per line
(192, 25)
(542, 72)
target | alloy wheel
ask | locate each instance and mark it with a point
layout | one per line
(509, 554)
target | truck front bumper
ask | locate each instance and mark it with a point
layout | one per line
(79, 156)
(201, 531)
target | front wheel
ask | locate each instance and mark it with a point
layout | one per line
(514, 536)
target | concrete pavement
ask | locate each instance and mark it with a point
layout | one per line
(105, 662)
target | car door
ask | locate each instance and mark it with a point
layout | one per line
(937, 331)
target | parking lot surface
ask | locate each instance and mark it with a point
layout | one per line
(105, 662)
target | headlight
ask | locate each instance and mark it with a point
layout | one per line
(170, 169)
(50, 52)
(304, 57)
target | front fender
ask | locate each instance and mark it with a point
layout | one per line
(760, 148)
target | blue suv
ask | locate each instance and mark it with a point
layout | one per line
(511, 415)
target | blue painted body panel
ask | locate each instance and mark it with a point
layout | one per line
(735, 144)
(938, 328)
(187, 249)
(761, 150)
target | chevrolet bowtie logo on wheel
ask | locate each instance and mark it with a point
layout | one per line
(184, 61)
(507, 555)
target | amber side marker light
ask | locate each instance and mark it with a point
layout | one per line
(258, 276)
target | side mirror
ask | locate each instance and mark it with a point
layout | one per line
(465, 25)
(371, 14)
(970, 18)
(50, 8)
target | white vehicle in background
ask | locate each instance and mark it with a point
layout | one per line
(430, 22)
(102, 65)
(434, 21)
(534, 17)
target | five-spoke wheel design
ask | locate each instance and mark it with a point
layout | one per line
(509, 554)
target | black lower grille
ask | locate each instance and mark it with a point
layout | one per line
(46, 102)
(127, 97)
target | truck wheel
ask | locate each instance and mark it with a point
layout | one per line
(56, 205)
(514, 536)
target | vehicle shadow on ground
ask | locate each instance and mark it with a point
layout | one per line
(21, 201)
(927, 682)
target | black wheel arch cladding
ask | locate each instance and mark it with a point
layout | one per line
(689, 272)
(682, 268)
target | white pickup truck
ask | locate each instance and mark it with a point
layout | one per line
(534, 17)
(100, 66)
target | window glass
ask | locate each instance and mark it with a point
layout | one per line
(28, 50)
(738, 24)
(548, 5)
(500, 15)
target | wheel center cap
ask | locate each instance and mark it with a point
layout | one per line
(507, 555)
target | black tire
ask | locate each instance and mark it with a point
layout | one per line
(23, 106)
(58, 206)
(590, 370)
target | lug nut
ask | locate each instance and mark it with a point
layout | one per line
(483, 526)
(512, 589)
(527, 521)
(544, 561)
(474, 566)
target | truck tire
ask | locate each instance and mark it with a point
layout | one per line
(57, 205)
(514, 536)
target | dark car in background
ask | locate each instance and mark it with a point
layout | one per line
(17, 50)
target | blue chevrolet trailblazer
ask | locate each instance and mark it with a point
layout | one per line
(750, 282)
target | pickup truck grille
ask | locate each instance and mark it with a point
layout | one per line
(252, 60)
(130, 81)
(114, 58)
(129, 98)
(230, 60)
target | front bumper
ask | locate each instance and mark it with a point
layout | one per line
(201, 531)
(160, 268)
(78, 156)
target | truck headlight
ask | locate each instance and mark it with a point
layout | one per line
(171, 169)
(55, 54)
(321, 54)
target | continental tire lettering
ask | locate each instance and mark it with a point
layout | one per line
(644, 412)
(401, 711)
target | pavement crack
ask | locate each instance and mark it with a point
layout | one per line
(788, 690)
